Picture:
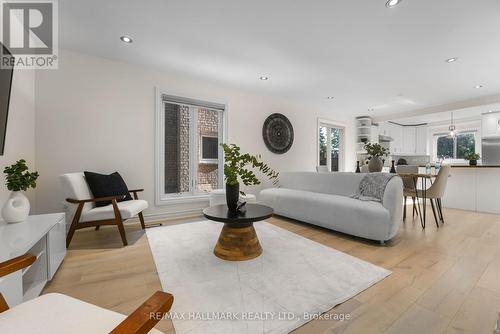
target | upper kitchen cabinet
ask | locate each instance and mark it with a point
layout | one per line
(409, 139)
(490, 124)
(396, 132)
(414, 139)
(421, 139)
(383, 129)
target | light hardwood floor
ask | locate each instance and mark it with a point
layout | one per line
(443, 281)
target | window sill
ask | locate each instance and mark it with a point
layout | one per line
(455, 161)
(208, 162)
(182, 199)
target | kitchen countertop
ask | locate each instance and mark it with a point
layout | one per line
(478, 166)
(466, 166)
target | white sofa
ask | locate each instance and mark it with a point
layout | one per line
(323, 199)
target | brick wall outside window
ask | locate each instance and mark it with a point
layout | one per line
(208, 173)
(177, 136)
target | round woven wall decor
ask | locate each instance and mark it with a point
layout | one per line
(278, 133)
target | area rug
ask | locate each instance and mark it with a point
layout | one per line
(294, 280)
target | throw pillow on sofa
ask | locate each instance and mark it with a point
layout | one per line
(102, 185)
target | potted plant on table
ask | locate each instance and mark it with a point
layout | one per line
(238, 167)
(18, 179)
(472, 157)
(375, 151)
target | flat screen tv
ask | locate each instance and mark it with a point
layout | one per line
(5, 86)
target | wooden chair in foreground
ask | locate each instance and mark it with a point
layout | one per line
(85, 214)
(55, 313)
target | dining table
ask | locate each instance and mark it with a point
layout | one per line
(425, 179)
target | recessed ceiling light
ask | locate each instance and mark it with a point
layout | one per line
(264, 78)
(392, 3)
(451, 60)
(478, 86)
(126, 39)
(330, 97)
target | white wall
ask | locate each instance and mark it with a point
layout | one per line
(20, 138)
(97, 114)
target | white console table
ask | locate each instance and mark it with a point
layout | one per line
(43, 236)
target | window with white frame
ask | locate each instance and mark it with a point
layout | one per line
(331, 147)
(209, 150)
(189, 156)
(455, 147)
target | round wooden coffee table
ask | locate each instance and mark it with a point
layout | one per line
(238, 240)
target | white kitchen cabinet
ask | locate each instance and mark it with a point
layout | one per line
(374, 134)
(474, 189)
(490, 124)
(454, 196)
(409, 138)
(421, 139)
(396, 132)
(383, 128)
(488, 189)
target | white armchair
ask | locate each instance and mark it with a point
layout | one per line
(85, 214)
(55, 313)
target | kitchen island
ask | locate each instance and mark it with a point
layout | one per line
(475, 188)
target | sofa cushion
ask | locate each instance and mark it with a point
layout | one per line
(55, 313)
(345, 184)
(128, 209)
(103, 185)
(365, 219)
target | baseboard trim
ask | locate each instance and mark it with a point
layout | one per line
(154, 217)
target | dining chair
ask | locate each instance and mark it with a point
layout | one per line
(408, 187)
(436, 192)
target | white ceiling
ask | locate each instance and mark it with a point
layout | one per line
(356, 50)
(445, 116)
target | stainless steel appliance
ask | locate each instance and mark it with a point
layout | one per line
(491, 150)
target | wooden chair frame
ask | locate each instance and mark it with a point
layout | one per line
(117, 220)
(139, 322)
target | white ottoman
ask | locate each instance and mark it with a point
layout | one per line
(218, 196)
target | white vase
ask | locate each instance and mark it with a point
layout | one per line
(17, 208)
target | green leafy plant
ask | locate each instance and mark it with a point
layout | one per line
(239, 166)
(19, 178)
(376, 150)
(470, 155)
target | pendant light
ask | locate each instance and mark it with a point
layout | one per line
(452, 126)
